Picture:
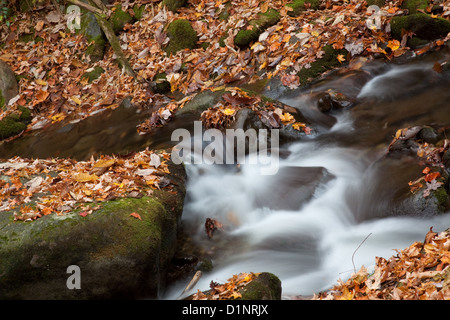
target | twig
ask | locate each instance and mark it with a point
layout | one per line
(353, 255)
(191, 284)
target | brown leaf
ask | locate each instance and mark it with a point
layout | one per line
(211, 226)
(429, 236)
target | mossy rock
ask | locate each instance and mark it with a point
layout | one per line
(414, 5)
(265, 20)
(298, 6)
(119, 256)
(94, 35)
(378, 3)
(328, 62)
(174, 5)
(138, 11)
(94, 74)
(28, 5)
(9, 87)
(181, 35)
(15, 123)
(226, 11)
(120, 18)
(422, 25)
(266, 286)
(162, 86)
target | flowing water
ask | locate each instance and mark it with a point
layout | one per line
(345, 222)
(325, 213)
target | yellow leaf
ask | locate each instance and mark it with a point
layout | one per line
(298, 126)
(287, 118)
(41, 82)
(394, 45)
(229, 112)
(85, 177)
(58, 117)
(340, 58)
(104, 163)
(76, 100)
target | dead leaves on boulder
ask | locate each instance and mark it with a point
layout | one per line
(33, 188)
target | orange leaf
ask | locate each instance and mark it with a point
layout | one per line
(432, 176)
(136, 215)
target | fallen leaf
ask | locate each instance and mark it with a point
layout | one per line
(136, 215)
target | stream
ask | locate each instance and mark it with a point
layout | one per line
(324, 214)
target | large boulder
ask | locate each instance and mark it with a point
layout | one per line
(8, 84)
(106, 254)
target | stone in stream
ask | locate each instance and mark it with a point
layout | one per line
(291, 187)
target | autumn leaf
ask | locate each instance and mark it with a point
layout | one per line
(393, 45)
(340, 58)
(136, 215)
(229, 112)
(287, 118)
(85, 177)
(298, 125)
(432, 176)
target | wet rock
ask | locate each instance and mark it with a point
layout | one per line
(94, 35)
(292, 187)
(328, 101)
(118, 256)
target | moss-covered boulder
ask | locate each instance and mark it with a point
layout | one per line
(423, 26)
(378, 3)
(181, 35)
(266, 286)
(15, 123)
(120, 18)
(255, 27)
(8, 84)
(414, 5)
(94, 35)
(174, 5)
(328, 62)
(93, 74)
(27, 5)
(161, 85)
(298, 6)
(117, 255)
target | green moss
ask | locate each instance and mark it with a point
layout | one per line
(225, 11)
(414, 5)
(94, 35)
(266, 286)
(181, 35)
(378, 3)
(2, 100)
(422, 25)
(94, 74)
(442, 198)
(13, 124)
(327, 62)
(298, 6)
(174, 5)
(162, 86)
(138, 11)
(120, 18)
(244, 37)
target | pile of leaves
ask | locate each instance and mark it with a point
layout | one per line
(419, 272)
(34, 188)
(226, 291)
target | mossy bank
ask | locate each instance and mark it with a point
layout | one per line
(119, 255)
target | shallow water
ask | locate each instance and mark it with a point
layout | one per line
(345, 223)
